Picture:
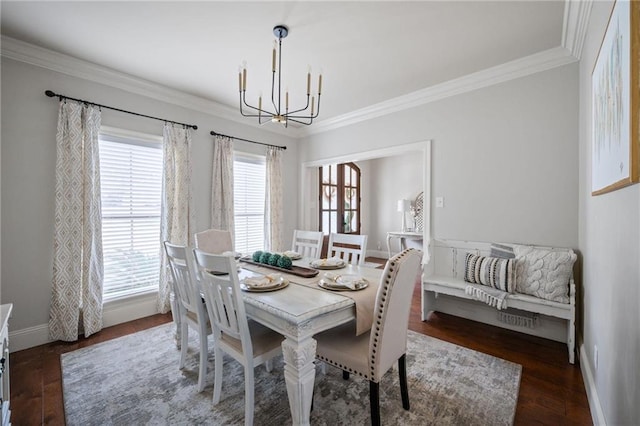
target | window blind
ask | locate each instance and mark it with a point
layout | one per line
(131, 185)
(249, 180)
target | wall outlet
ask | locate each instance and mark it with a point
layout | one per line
(379, 245)
(595, 357)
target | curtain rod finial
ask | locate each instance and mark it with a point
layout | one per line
(49, 93)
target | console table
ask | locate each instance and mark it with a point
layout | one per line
(403, 237)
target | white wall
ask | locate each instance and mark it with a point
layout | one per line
(391, 178)
(610, 242)
(504, 157)
(28, 159)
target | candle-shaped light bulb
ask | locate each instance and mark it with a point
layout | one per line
(319, 84)
(313, 101)
(260, 103)
(244, 79)
(273, 57)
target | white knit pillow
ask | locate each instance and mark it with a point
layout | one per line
(544, 273)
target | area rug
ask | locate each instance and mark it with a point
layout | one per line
(135, 380)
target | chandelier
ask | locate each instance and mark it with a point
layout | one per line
(278, 114)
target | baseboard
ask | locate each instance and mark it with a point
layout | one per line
(590, 386)
(28, 337)
(114, 312)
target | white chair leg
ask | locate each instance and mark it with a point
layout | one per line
(217, 376)
(248, 394)
(323, 367)
(184, 345)
(204, 351)
(268, 365)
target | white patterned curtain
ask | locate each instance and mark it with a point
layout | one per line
(274, 209)
(78, 270)
(177, 217)
(222, 185)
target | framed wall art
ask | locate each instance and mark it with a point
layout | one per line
(615, 87)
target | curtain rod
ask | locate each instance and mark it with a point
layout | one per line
(51, 94)
(214, 133)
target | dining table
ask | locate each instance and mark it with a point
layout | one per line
(302, 309)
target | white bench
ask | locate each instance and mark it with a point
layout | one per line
(444, 275)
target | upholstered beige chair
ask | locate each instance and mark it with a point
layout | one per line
(307, 243)
(248, 342)
(372, 354)
(214, 241)
(349, 247)
(191, 309)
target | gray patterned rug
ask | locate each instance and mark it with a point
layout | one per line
(135, 380)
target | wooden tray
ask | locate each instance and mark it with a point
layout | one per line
(300, 271)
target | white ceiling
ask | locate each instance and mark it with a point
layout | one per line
(369, 52)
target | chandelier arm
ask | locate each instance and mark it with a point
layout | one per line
(298, 110)
(318, 110)
(244, 100)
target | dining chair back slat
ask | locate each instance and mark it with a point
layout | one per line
(307, 243)
(349, 247)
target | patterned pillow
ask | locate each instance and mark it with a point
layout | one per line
(490, 271)
(544, 273)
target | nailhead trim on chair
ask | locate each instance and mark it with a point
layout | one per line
(397, 260)
(376, 332)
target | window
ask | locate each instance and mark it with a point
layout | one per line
(249, 181)
(131, 186)
(340, 198)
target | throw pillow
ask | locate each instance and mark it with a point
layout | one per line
(502, 251)
(544, 273)
(490, 271)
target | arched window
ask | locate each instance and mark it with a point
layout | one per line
(340, 199)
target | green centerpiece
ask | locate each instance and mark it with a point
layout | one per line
(285, 262)
(264, 257)
(273, 260)
(256, 256)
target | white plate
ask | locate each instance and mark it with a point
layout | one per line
(276, 284)
(292, 255)
(338, 286)
(319, 264)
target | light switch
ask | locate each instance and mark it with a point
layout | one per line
(439, 201)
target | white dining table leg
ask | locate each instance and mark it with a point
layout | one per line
(299, 374)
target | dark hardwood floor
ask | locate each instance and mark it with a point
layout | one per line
(551, 390)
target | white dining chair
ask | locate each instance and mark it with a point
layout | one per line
(215, 241)
(248, 342)
(372, 354)
(307, 243)
(191, 309)
(349, 247)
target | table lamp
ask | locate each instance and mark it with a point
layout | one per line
(404, 206)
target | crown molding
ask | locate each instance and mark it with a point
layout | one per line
(528, 65)
(574, 28)
(35, 55)
(65, 64)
